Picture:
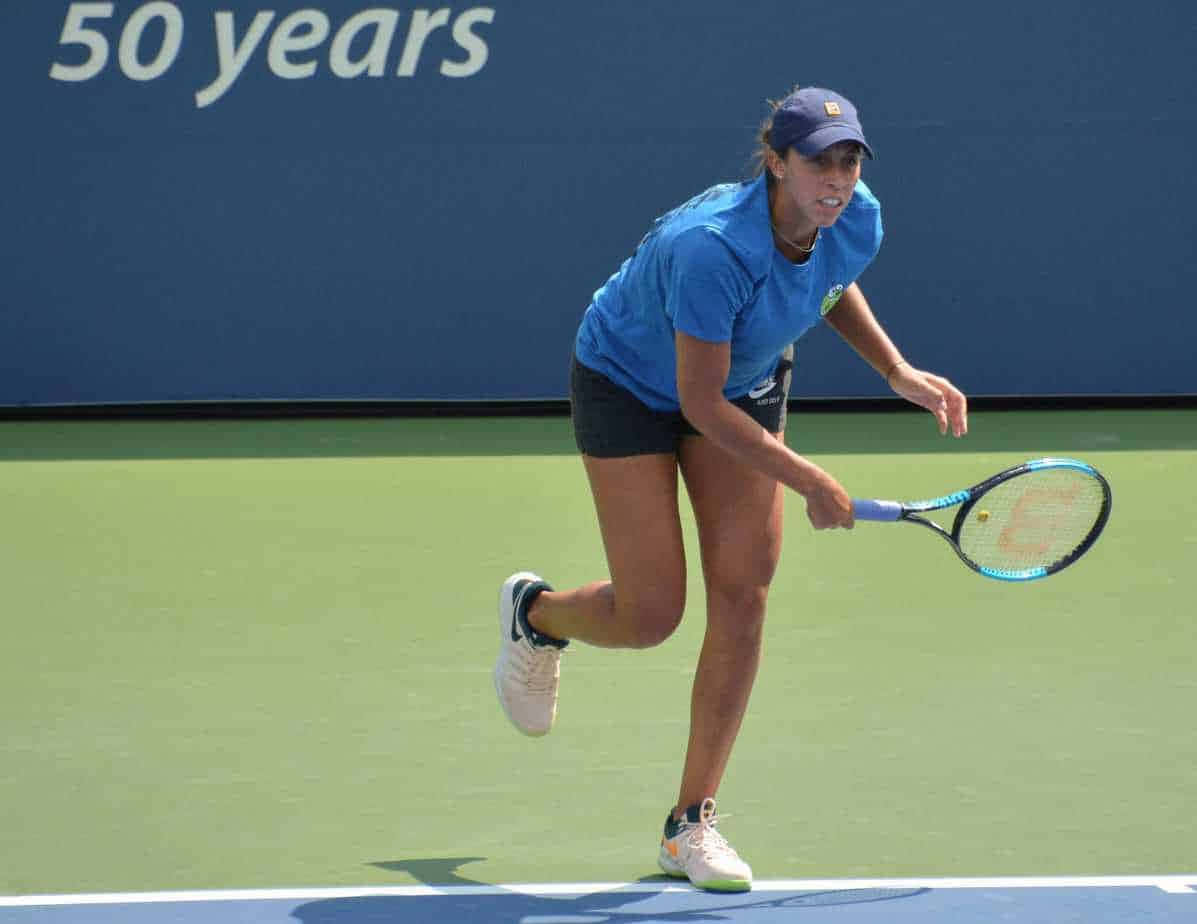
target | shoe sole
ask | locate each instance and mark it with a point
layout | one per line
(724, 885)
(504, 635)
(712, 885)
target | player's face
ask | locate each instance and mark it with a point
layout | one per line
(820, 187)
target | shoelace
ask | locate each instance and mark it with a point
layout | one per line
(539, 667)
(705, 838)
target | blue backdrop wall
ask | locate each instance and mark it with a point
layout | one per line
(215, 202)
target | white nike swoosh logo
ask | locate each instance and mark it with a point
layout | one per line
(763, 389)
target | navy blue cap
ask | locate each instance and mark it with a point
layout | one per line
(812, 119)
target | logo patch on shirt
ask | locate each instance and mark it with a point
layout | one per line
(831, 108)
(829, 300)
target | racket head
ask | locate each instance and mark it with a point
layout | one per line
(1032, 520)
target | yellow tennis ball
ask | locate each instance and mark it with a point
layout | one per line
(983, 515)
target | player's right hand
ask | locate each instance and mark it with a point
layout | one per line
(828, 505)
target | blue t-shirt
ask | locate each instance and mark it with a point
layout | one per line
(710, 269)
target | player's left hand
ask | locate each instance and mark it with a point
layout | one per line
(935, 393)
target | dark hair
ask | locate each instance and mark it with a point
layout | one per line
(764, 144)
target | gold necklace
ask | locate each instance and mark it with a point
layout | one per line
(814, 238)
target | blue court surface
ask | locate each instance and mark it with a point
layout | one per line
(1093, 900)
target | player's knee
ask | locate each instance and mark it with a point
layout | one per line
(745, 578)
(649, 634)
(653, 620)
(737, 611)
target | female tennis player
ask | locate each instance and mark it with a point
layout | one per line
(682, 363)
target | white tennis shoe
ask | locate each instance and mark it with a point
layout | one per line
(692, 849)
(528, 668)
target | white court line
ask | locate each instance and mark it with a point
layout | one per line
(1174, 884)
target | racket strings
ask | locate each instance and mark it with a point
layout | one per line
(1033, 520)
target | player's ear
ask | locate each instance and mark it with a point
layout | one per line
(777, 166)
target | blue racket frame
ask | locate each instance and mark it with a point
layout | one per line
(894, 511)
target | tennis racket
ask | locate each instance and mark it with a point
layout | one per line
(1027, 522)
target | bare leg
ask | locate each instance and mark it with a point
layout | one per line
(637, 504)
(739, 516)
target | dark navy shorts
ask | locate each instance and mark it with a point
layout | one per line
(611, 422)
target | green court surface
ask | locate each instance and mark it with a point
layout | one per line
(257, 653)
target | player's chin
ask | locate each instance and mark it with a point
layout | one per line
(827, 214)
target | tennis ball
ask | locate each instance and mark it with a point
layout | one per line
(983, 515)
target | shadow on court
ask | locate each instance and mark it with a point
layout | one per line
(616, 907)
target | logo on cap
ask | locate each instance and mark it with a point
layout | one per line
(832, 108)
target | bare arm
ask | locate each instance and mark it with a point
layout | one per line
(702, 370)
(853, 319)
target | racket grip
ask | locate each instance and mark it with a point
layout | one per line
(887, 511)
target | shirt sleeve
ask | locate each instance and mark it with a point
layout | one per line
(706, 286)
(862, 231)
